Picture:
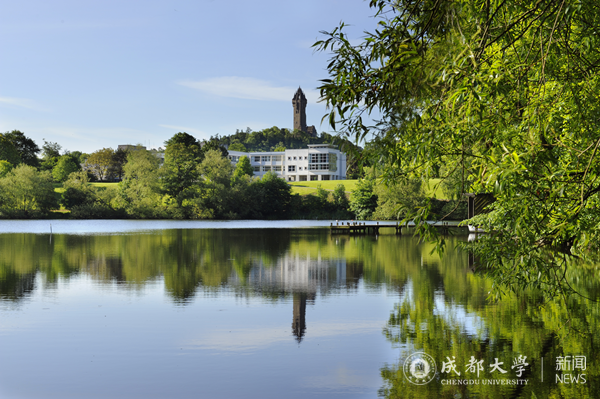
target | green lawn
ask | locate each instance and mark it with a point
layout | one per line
(105, 185)
(310, 187)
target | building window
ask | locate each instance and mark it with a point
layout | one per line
(277, 158)
(294, 158)
(256, 158)
(266, 168)
(305, 157)
(291, 168)
(289, 158)
(314, 177)
(319, 158)
(302, 178)
(256, 168)
(266, 158)
(277, 168)
(324, 177)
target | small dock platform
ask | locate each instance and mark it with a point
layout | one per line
(361, 228)
(358, 228)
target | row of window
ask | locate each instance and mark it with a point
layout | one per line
(312, 177)
(267, 168)
(314, 158)
(266, 158)
(325, 166)
(290, 168)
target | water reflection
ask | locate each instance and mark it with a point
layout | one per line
(440, 309)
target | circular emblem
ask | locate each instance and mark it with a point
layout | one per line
(419, 368)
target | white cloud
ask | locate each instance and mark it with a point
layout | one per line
(19, 102)
(248, 89)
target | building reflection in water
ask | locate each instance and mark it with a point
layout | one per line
(303, 277)
(299, 321)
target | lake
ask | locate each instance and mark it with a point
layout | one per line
(254, 309)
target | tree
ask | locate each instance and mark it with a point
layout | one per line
(77, 190)
(216, 172)
(362, 200)
(237, 146)
(26, 147)
(180, 171)
(214, 144)
(243, 167)
(50, 155)
(8, 152)
(66, 165)
(139, 191)
(275, 196)
(100, 162)
(24, 191)
(119, 159)
(399, 198)
(340, 200)
(505, 93)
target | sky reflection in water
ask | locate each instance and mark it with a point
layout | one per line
(263, 312)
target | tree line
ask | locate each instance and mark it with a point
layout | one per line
(196, 181)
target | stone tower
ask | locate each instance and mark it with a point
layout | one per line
(299, 103)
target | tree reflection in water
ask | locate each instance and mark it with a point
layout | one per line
(442, 308)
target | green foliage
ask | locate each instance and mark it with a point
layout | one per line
(100, 163)
(50, 155)
(398, 198)
(237, 146)
(279, 147)
(504, 96)
(273, 196)
(5, 167)
(214, 144)
(340, 199)
(363, 200)
(139, 193)
(66, 165)
(25, 146)
(77, 191)
(272, 139)
(180, 171)
(119, 159)
(26, 192)
(216, 172)
(8, 152)
(243, 167)
(322, 194)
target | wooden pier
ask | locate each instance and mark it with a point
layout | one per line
(359, 228)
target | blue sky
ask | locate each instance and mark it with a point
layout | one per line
(94, 74)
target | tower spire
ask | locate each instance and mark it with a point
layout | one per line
(299, 104)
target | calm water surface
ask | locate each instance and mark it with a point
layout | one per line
(155, 309)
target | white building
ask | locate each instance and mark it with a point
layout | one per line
(317, 162)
